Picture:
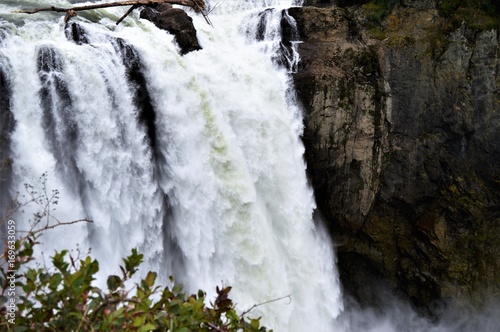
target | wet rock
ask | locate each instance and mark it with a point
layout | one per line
(7, 124)
(175, 21)
(76, 33)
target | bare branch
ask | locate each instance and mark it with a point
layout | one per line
(126, 14)
(266, 302)
(197, 5)
(59, 223)
(215, 327)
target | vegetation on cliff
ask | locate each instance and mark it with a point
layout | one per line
(478, 14)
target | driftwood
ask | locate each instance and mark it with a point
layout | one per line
(197, 5)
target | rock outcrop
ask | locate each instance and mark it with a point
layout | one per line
(175, 21)
(402, 135)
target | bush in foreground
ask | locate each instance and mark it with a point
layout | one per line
(64, 299)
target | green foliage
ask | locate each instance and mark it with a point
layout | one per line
(64, 299)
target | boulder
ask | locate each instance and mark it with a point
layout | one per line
(175, 21)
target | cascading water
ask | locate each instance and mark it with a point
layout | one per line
(195, 160)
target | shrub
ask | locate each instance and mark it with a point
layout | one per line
(64, 297)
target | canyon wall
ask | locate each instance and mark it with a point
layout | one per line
(402, 135)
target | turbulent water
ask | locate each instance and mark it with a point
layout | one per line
(195, 160)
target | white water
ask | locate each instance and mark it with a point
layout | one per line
(223, 198)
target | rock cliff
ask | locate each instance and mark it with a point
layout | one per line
(402, 135)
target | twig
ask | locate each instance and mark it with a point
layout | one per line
(215, 327)
(59, 223)
(199, 8)
(267, 302)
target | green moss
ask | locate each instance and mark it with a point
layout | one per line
(478, 14)
(401, 41)
(475, 19)
(461, 195)
(377, 33)
(378, 10)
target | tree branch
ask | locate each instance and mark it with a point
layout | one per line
(59, 223)
(197, 5)
(266, 302)
(126, 13)
(214, 327)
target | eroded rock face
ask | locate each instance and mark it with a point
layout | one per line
(402, 143)
(175, 21)
(7, 124)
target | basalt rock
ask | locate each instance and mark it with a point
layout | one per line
(402, 135)
(175, 21)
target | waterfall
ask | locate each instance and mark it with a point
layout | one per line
(195, 160)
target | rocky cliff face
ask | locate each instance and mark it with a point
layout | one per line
(6, 127)
(402, 135)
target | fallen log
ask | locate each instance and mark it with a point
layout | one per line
(197, 5)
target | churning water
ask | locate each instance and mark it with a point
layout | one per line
(195, 160)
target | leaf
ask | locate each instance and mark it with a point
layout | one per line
(75, 279)
(177, 288)
(147, 327)
(227, 290)
(139, 321)
(225, 304)
(255, 324)
(140, 294)
(183, 329)
(133, 261)
(44, 277)
(31, 274)
(174, 307)
(117, 313)
(58, 261)
(113, 282)
(150, 279)
(55, 281)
